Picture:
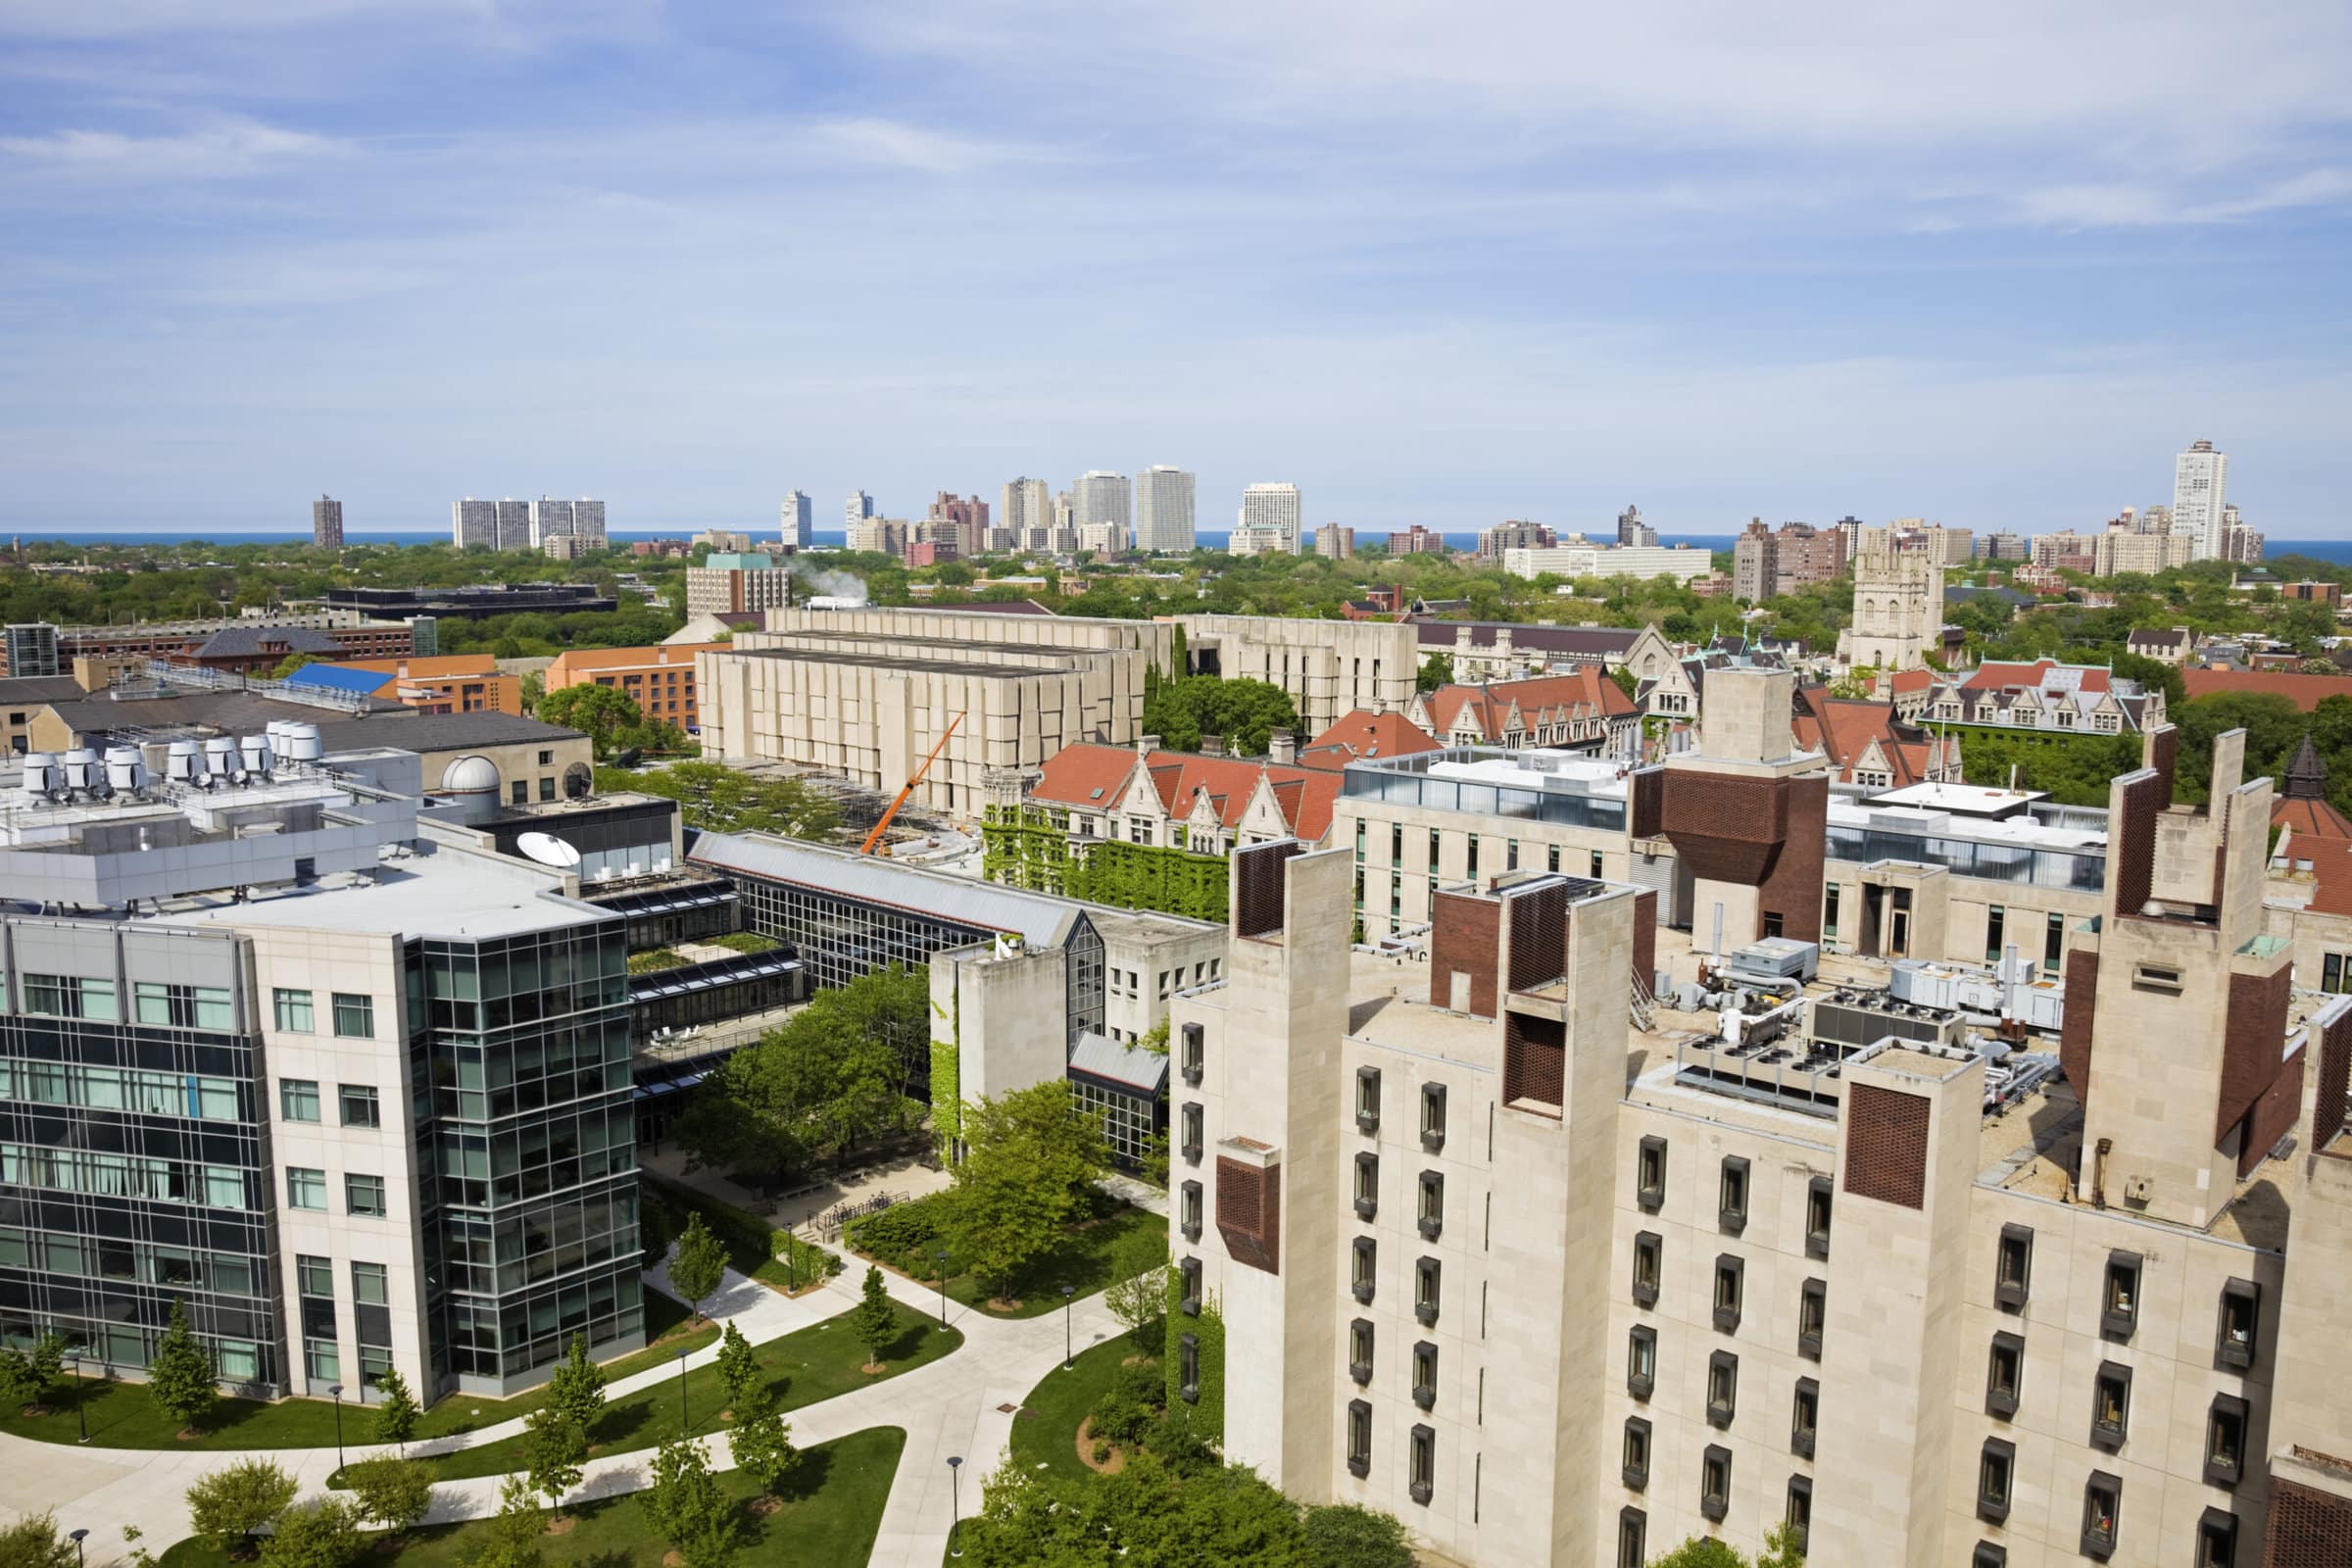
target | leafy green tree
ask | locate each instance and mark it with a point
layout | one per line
(873, 1323)
(32, 1542)
(180, 1380)
(294, 661)
(577, 1388)
(599, 712)
(238, 1502)
(322, 1533)
(1146, 1516)
(761, 1442)
(513, 1536)
(28, 1374)
(2155, 674)
(1246, 712)
(394, 1493)
(688, 1506)
(1437, 670)
(554, 1452)
(1349, 1534)
(1031, 1158)
(1138, 1296)
(396, 1410)
(738, 1368)
(1701, 1551)
(698, 1264)
(724, 800)
(1627, 682)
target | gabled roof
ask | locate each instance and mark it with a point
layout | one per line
(237, 642)
(1843, 729)
(1913, 680)
(1094, 777)
(32, 690)
(1146, 1072)
(1363, 734)
(2046, 674)
(1572, 642)
(1587, 691)
(2159, 637)
(341, 678)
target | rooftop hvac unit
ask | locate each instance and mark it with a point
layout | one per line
(125, 769)
(300, 742)
(184, 763)
(255, 751)
(221, 757)
(41, 775)
(81, 770)
(1848, 1026)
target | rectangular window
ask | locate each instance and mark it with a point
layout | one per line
(2216, 1538)
(1812, 1315)
(1730, 1198)
(1425, 1289)
(354, 1017)
(1817, 1216)
(1432, 1213)
(1188, 1368)
(2226, 1440)
(306, 1189)
(1367, 1100)
(1367, 1185)
(2004, 1376)
(2119, 1300)
(359, 1106)
(1359, 1349)
(1988, 1555)
(298, 1100)
(314, 1276)
(1993, 920)
(1190, 1218)
(2102, 1514)
(2241, 1315)
(1433, 1116)
(1649, 1174)
(1996, 1480)
(520, 792)
(1473, 856)
(370, 1285)
(1189, 1272)
(2110, 1407)
(1633, 1532)
(1730, 1279)
(1715, 1483)
(1806, 1419)
(2053, 943)
(1363, 1267)
(1193, 1133)
(1359, 1438)
(1422, 1474)
(321, 1361)
(292, 1010)
(1596, 871)
(1649, 1254)
(1425, 1374)
(1635, 1467)
(363, 1196)
(1552, 858)
(2013, 1272)
(1641, 1360)
(1194, 1061)
(1723, 1388)
(1799, 1516)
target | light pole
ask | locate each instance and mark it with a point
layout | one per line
(955, 1497)
(75, 1537)
(81, 1417)
(1067, 1293)
(336, 1388)
(681, 1394)
(942, 1255)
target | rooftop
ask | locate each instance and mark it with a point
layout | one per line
(447, 893)
(1966, 799)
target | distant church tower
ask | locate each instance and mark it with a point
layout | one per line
(1899, 604)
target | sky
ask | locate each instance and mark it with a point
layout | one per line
(1990, 264)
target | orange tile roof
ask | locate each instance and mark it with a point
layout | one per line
(1842, 728)
(1362, 734)
(426, 666)
(1914, 680)
(2332, 870)
(574, 662)
(2307, 820)
(1996, 676)
(1587, 689)
(2306, 692)
(1095, 777)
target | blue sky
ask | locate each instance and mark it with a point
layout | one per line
(1993, 264)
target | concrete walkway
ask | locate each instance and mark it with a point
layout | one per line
(949, 1406)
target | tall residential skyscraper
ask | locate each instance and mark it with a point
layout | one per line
(549, 519)
(1633, 533)
(588, 523)
(2200, 485)
(327, 523)
(798, 528)
(473, 522)
(860, 507)
(1028, 505)
(1269, 520)
(1100, 496)
(1163, 511)
(514, 524)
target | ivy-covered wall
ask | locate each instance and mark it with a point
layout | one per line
(947, 1092)
(1023, 847)
(1209, 1328)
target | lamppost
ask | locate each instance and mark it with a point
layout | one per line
(942, 1255)
(1067, 1293)
(681, 1394)
(955, 1497)
(336, 1388)
(75, 1537)
(81, 1417)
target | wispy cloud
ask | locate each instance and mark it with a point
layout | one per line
(223, 148)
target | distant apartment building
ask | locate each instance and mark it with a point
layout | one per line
(1269, 522)
(1163, 511)
(795, 526)
(1632, 533)
(727, 582)
(513, 522)
(661, 677)
(1579, 556)
(449, 683)
(473, 522)
(1028, 512)
(2200, 493)
(1418, 540)
(588, 523)
(884, 536)
(551, 519)
(327, 523)
(969, 515)
(2004, 547)
(1335, 543)
(1101, 497)
(2240, 543)
(1503, 536)
(1805, 555)
(1755, 563)
(860, 507)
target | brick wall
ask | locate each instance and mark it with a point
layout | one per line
(1466, 936)
(1646, 802)
(1646, 935)
(1249, 1214)
(2074, 1029)
(1535, 1059)
(1792, 890)
(1729, 829)
(1257, 883)
(1886, 1144)
(2308, 1528)
(2163, 752)
(2131, 843)
(1538, 936)
(2275, 1114)
(2336, 1081)
(2253, 1024)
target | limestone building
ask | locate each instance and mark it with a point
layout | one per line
(1899, 604)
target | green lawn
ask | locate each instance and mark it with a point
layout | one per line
(815, 1363)
(1081, 1258)
(1061, 1402)
(122, 1416)
(750, 1239)
(831, 1518)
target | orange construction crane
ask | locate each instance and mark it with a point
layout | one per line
(875, 837)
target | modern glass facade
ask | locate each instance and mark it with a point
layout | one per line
(1408, 781)
(520, 1061)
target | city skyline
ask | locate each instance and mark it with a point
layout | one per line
(1840, 285)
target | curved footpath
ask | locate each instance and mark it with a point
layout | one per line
(949, 1406)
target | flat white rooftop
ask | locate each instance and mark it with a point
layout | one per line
(447, 894)
(1975, 799)
(1540, 770)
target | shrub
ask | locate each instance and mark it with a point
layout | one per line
(904, 1235)
(1133, 1403)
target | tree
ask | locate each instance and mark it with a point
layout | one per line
(688, 1506)
(1246, 712)
(1437, 670)
(698, 1264)
(238, 1502)
(554, 1448)
(324, 1532)
(1627, 682)
(32, 1542)
(28, 1374)
(180, 1377)
(577, 1388)
(738, 1368)
(1349, 1534)
(873, 1323)
(1701, 1551)
(294, 661)
(599, 712)
(1032, 1156)
(512, 1538)
(1138, 1296)
(724, 800)
(394, 1493)
(761, 1442)
(396, 1410)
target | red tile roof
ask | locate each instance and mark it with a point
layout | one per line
(1362, 734)
(1914, 680)
(1095, 777)
(1842, 728)
(2332, 869)
(2306, 692)
(1587, 691)
(1998, 677)
(2306, 820)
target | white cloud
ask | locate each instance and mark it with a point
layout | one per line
(896, 143)
(220, 149)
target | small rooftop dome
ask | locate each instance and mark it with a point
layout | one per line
(470, 775)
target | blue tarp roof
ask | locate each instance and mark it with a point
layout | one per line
(360, 682)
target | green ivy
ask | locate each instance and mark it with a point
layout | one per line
(947, 1096)
(1209, 1328)
(1024, 847)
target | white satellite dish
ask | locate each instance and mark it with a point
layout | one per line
(549, 849)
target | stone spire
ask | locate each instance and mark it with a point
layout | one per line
(2306, 776)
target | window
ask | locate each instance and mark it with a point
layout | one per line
(1649, 1174)
(298, 1100)
(2241, 1315)
(1812, 1313)
(1362, 1264)
(520, 792)
(370, 1285)
(1433, 1116)
(1715, 1483)
(363, 1196)
(314, 1276)
(1649, 1254)
(1636, 1469)
(1988, 1555)
(1993, 920)
(1473, 870)
(320, 1362)
(306, 1189)
(1190, 1216)
(354, 1017)
(359, 1106)
(1188, 1303)
(1641, 1360)
(1367, 1185)
(2102, 1514)
(66, 996)
(1194, 1063)
(1817, 1216)
(2336, 973)
(1632, 1530)
(175, 1007)
(1425, 1289)
(1188, 1368)
(1425, 1374)
(292, 1010)
(547, 758)
(1432, 1213)
(1996, 1479)
(1799, 1516)
(1359, 1349)
(1367, 1100)
(2226, 1440)
(2013, 1268)
(1421, 1475)
(1723, 1388)
(2216, 1538)
(1805, 1420)
(1194, 1135)
(1829, 912)
(2004, 1376)
(2119, 1307)
(1730, 1195)
(2053, 943)
(1730, 1277)
(1359, 1438)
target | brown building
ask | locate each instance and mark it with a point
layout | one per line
(659, 678)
